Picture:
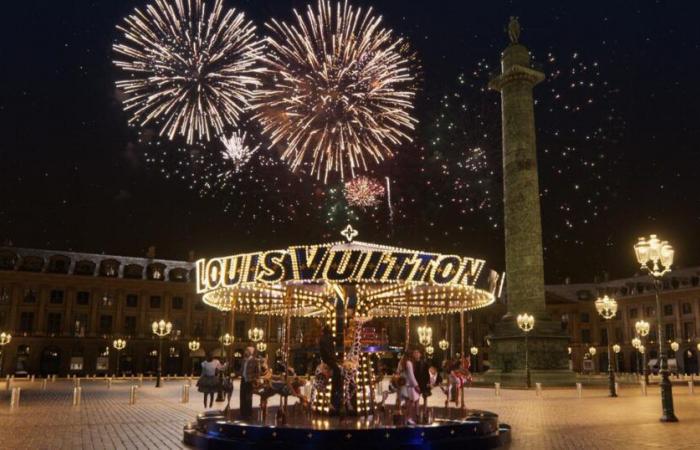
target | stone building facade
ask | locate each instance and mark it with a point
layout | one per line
(64, 309)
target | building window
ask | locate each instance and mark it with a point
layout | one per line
(132, 301)
(670, 331)
(688, 330)
(130, 325)
(198, 328)
(687, 309)
(56, 297)
(155, 301)
(604, 336)
(633, 313)
(53, 323)
(81, 324)
(585, 317)
(649, 311)
(178, 302)
(83, 298)
(26, 322)
(668, 310)
(585, 335)
(29, 296)
(105, 324)
(199, 305)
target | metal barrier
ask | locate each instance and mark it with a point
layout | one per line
(77, 394)
(132, 395)
(185, 393)
(14, 397)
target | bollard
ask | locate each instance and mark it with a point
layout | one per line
(617, 388)
(691, 387)
(8, 383)
(14, 397)
(43, 384)
(538, 389)
(31, 379)
(185, 393)
(77, 393)
(497, 389)
(140, 380)
(644, 387)
(53, 378)
(579, 390)
(109, 383)
(76, 381)
(132, 395)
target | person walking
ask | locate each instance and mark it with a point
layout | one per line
(250, 372)
(208, 382)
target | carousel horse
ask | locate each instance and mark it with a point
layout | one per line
(271, 384)
(458, 376)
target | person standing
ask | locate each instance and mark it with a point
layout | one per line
(250, 372)
(208, 382)
(410, 391)
(422, 375)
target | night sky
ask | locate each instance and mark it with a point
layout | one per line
(74, 176)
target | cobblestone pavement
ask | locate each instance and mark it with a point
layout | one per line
(556, 420)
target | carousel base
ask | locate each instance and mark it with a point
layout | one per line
(451, 429)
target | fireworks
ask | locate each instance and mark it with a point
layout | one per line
(342, 91)
(363, 192)
(237, 151)
(188, 69)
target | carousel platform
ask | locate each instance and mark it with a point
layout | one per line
(450, 429)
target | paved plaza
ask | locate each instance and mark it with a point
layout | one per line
(556, 420)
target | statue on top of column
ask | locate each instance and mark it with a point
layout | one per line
(514, 30)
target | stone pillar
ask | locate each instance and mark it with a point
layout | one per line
(547, 342)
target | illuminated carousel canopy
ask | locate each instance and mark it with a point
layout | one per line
(306, 281)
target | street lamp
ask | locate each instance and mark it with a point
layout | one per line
(425, 335)
(656, 258)
(256, 334)
(526, 322)
(592, 351)
(119, 345)
(607, 308)
(161, 329)
(5, 339)
(444, 344)
(193, 346)
(616, 348)
(261, 347)
(226, 340)
(429, 350)
(642, 328)
(675, 346)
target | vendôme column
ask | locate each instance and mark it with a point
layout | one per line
(548, 358)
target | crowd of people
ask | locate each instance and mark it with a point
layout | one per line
(413, 380)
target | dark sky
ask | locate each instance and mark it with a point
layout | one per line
(70, 177)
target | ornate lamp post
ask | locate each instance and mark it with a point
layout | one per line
(475, 351)
(193, 346)
(119, 345)
(256, 334)
(675, 346)
(425, 335)
(5, 339)
(429, 350)
(592, 351)
(226, 340)
(616, 348)
(161, 329)
(443, 344)
(526, 322)
(261, 347)
(642, 327)
(607, 308)
(656, 258)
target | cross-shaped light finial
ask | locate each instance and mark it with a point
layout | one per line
(349, 233)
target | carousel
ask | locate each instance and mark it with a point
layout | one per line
(347, 288)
